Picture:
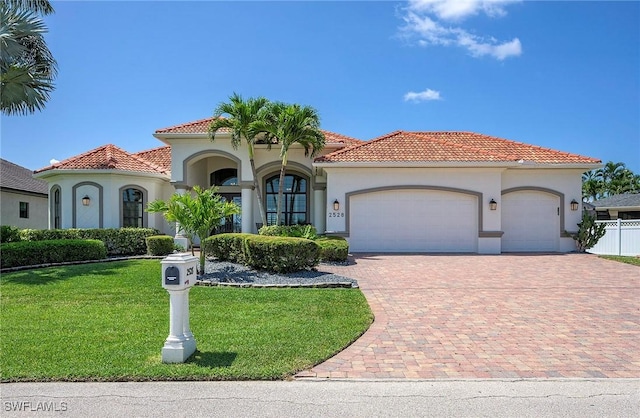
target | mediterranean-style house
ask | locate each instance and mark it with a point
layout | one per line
(402, 192)
(23, 199)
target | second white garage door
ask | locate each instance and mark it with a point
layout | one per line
(413, 221)
(530, 221)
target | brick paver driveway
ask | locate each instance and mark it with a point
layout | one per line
(473, 316)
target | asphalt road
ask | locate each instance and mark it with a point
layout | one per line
(329, 398)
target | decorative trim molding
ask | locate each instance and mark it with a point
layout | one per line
(544, 190)
(145, 201)
(210, 153)
(74, 202)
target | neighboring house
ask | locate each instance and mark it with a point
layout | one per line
(23, 199)
(402, 192)
(620, 206)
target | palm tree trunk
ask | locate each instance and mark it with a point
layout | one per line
(256, 185)
(283, 168)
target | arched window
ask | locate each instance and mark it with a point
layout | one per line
(132, 208)
(56, 209)
(294, 203)
(224, 177)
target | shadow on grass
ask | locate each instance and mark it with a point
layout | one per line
(212, 359)
(48, 275)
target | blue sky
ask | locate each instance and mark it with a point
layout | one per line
(563, 75)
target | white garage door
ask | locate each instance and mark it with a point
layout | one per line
(530, 221)
(413, 221)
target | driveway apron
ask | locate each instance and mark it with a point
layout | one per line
(503, 316)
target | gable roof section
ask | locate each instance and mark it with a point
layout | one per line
(13, 176)
(202, 127)
(618, 201)
(401, 146)
(108, 157)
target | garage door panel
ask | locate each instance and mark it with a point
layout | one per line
(413, 221)
(530, 221)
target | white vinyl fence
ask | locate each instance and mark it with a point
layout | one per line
(621, 238)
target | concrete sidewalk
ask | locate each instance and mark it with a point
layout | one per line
(578, 398)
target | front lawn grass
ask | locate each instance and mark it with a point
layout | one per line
(623, 259)
(109, 321)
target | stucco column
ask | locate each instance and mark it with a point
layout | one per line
(319, 208)
(247, 209)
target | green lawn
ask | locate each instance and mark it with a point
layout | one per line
(629, 260)
(108, 321)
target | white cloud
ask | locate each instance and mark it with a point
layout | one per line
(422, 96)
(53, 161)
(423, 26)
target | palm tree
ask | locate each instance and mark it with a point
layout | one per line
(243, 117)
(196, 215)
(289, 124)
(27, 67)
(591, 185)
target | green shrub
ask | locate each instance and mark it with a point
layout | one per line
(159, 245)
(333, 248)
(281, 254)
(30, 253)
(297, 231)
(227, 247)
(119, 241)
(9, 233)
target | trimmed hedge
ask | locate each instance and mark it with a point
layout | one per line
(159, 245)
(119, 241)
(31, 253)
(227, 247)
(276, 254)
(297, 231)
(281, 254)
(333, 248)
(9, 233)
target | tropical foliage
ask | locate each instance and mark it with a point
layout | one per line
(27, 67)
(196, 215)
(258, 120)
(612, 179)
(288, 124)
(240, 117)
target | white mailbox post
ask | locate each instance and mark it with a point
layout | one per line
(178, 277)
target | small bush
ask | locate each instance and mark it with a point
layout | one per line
(227, 247)
(281, 254)
(119, 241)
(333, 248)
(31, 253)
(296, 231)
(9, 233)
(159, 245)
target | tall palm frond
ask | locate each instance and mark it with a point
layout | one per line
(287, 125)
(27, 67)
(242, 119)
(36, 6)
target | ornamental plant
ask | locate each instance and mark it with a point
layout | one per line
(196, 214)
(589, 232)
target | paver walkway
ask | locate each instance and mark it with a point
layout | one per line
(506, 316)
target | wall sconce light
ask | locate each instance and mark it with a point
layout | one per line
(86, 201)
(574, 204)
(493, 205)
(336, 205)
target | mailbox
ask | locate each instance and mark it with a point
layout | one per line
(172, 276)
(179, 271)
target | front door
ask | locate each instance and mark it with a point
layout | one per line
(232, 223)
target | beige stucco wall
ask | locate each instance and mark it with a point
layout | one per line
(103, 188)
(10, 214)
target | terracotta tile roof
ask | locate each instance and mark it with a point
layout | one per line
(13, 176)
(404, 146)
(107, 157)
(202, 127)
(160, 156)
